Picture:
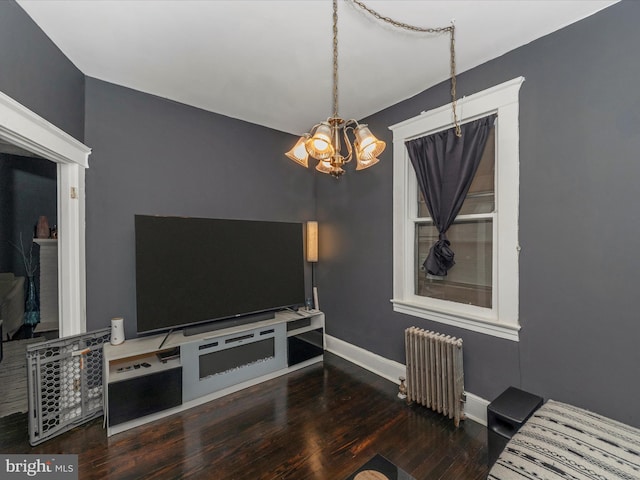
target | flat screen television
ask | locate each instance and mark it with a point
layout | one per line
(191, 271)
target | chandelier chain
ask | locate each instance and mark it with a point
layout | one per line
(335, 58)
(435, 30)
(406, 26)
(454, 96)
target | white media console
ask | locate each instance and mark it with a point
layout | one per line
(144, 382)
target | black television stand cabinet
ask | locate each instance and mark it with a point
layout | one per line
(143, 384)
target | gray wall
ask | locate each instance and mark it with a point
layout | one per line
(153, 156)
(34, 72)
(579, 225)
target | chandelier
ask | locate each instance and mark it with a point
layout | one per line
(323, 143)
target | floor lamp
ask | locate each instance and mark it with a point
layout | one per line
(312, 257)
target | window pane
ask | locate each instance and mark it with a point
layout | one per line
(470, 279)
(480, 198)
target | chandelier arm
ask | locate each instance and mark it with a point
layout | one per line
(435, 30)
(346, 140)
(350, 124)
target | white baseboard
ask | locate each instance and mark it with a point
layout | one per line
(364, 358)
(475, 407)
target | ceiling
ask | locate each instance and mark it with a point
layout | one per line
(269, 62)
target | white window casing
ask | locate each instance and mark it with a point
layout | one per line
(502, 319)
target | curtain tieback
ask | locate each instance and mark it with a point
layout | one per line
(440, 258)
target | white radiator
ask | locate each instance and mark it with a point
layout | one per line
(435, 377)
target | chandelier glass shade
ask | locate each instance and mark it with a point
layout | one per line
(299, 152)
(368, 147)
(319, 145)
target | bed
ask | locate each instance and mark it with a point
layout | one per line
(563, 442)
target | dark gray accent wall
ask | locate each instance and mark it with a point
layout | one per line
(35, 73)
(157, 157)
(578, 228)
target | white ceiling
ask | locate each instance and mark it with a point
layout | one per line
(270, 61)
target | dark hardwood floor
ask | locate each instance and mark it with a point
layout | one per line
(322, 422)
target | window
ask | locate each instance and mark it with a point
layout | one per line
(480, 292)
(470, 281)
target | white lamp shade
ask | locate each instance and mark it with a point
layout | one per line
(324, 167)
(362, 164)
(369, 146)
(312, 241)
(299, 153)
(319, 145)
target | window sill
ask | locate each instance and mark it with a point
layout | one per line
(500, 330)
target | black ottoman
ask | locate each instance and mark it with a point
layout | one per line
(505, 415)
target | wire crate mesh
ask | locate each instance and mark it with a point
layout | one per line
(64, 383)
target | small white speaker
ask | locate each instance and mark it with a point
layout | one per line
(117, 330)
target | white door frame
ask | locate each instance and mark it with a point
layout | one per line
(21, 127)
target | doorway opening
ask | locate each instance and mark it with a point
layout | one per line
(25, 130)
(28, 224)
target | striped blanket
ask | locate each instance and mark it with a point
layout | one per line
(563, 442)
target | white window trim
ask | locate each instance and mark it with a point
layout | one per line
(502, 320)
(22, 127)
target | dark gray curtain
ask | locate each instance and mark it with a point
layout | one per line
(445, 165)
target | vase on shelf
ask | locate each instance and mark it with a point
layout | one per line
(42, 228)
(32, 305)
